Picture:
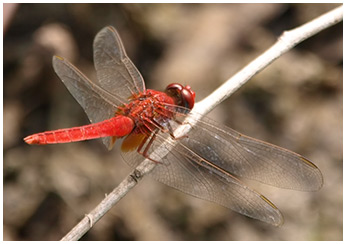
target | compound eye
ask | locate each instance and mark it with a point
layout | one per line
(174, 87)
(183, 96)
(188, 96)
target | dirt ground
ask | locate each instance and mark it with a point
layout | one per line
(295, 103)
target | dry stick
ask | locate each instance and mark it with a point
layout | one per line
(285, 42)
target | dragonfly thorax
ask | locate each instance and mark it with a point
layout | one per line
(149, 109)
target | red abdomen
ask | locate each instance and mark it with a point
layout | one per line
(118, 126)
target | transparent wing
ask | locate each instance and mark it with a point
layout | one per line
(205, 162)
(188, 172)
(115, 71)
(97, 103)
(247, 157)
(251, 158)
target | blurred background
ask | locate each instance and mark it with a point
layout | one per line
(295, 103)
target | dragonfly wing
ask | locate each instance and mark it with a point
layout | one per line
(115, 71)
(98, 104)
(251, 158)
(186, 171)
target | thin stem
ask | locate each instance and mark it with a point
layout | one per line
(285, 42)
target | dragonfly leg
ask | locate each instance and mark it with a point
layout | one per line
(167, 128)
(144, 153)
(170, 131)
(152, 122)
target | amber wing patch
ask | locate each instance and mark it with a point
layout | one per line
(132, 141)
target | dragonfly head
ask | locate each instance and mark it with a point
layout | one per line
(183, 96)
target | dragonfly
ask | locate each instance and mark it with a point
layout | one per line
(209, 162)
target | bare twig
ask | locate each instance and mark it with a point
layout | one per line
(286, 42)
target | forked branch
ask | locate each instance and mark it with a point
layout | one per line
(285, 42)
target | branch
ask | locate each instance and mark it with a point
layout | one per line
(285, 42)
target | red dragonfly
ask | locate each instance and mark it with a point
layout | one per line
(205, 163)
